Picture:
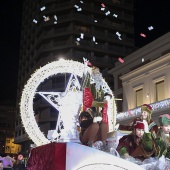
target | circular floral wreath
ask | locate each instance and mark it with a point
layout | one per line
(29, 91)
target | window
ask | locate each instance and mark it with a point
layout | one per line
(119, 81)
(119, 103)
(7, 141)
(7, 148)
(160, 90)
(139, 97)
(16, 134)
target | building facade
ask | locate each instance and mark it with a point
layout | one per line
(70, 29)
(7, 117)
(145, 79)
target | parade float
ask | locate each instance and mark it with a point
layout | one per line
(61, 149)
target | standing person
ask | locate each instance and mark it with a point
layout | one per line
(92, 128)
(146, 117)
(138, 144)
(163, 136)
(150, 125)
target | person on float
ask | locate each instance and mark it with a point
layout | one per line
(94, 123)
(163, 136)
(146, 113)
(139, 144)
(92, 128)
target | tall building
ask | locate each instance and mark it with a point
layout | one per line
(70, 29)
(7, 117)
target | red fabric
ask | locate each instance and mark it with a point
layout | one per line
(48, 157)
(59, 158)
(139, 125)
(105, 116)
(87, 99)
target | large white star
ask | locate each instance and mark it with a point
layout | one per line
(67, 103)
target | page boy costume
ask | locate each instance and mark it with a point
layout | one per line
(152, 127)
(136, 147)
(163, 140)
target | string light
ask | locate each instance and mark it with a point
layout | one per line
(137, 111)
(29, 91)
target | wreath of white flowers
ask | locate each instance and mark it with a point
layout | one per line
(29, 91)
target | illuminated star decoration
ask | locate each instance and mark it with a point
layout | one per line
(66, 102)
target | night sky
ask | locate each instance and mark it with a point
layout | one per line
(147, 13)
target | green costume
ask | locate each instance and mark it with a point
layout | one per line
(136, 147)
(163, 140)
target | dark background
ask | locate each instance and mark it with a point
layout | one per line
(147, 13)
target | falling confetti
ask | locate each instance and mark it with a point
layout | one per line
(121, 60)
(76, 6)
(114, 15)
(55, 17)
(150, 28)
(79, 9)
(46, 18)
(142, 35)
(107, 13)
(81, 35)
(35, 21)
(77, 42)
(103, 5)
(118, 34)
(94, 39)
(143, 60)
(42, 8)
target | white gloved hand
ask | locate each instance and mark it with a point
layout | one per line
(97, 119)
(146, 128)
(107, 98)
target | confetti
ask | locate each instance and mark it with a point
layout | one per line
(121, 60)
(150, 28)
(95, 20)
(115, 15)
(55, 17)
(107, 13)
(42, 8)
(103, 5)
(102, 9)
(35, 21)
(143, 60)
(76, 6)
(81, 35)
(89, 64)
(118, 34)
(94, 39)
(46, 19)
(81, 2)
(79, 9)
(77, 42)
(78, 39)
(142, 35)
